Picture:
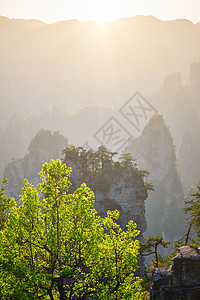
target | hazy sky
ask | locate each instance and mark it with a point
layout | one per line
(51, 11)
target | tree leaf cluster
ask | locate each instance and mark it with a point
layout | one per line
(54, 246)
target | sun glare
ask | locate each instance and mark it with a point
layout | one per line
(104, 18)
(106, 13)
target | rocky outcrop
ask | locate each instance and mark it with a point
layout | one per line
(173, 82)
(119, 188)
(127, 194)
(78, 126)
(179, 103)
(43, 147)
(155, 152)
(188, 161)
(195, 74)
(180, 280)
(115, 187)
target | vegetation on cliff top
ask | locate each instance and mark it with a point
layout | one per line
(100, 166)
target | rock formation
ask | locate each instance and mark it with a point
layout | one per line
(43, 147)
(154, 151)
(173, 82)
(188, 161)
(121, 188)
(195, 74)
(115, 187)
(78, 126)
(179, 103)
(180, 280)
(127, 194)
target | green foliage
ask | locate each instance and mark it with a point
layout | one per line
(3, 204)
(143, 173)
(148, 186)
(126, 159)
(150, 246)
(151, 243)
(92, 162)
(55, 244)
(193, 208)
(100, 167)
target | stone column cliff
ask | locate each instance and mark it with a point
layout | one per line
(118, 187)
(155, 152)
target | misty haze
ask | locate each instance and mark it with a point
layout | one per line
(119, 103)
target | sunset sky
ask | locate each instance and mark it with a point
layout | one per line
(51, 11)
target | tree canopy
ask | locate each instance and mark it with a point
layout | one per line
(3, 204)
(150, 246)
(193, 208)
(54, 246)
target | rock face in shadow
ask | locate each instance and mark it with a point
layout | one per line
(179, 103)
(195, 74)
(180, 280)
(188, 161)
(43, 147)
(118, 188)
(127, 194)
(154, 151)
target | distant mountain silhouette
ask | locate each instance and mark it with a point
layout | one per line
(71, 64)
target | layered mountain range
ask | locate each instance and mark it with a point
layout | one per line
(71, 64)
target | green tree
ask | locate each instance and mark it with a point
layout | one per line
(3, 204)
(127, 159)
(150, 246)
(54, 246)
(104, 156)
(193, 208)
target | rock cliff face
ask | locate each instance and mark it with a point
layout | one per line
(127, 194)
(155, 152)
(43, 147)
(118, 187)
(173, 82)
(121, 189)
(180, 280)
(195, 74)
(188, 161)
(179, 103)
